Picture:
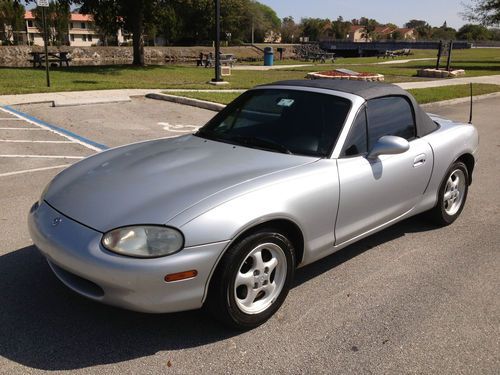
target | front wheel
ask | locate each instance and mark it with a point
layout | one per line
(452, 195)
(252, 280)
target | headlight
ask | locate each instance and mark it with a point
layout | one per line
(145, 241)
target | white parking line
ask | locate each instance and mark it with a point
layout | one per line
(33, 170)
(29, 141)
(43, 156)
(72, 137)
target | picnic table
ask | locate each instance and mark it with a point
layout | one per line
(208, 60)
(39, 58)
(320, 56)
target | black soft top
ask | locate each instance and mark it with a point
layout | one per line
(367, 90)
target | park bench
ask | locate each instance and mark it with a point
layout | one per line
(39, 58)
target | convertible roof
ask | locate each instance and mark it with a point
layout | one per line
(367, 90)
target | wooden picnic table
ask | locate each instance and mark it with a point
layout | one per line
(321, 57)
(39, 58)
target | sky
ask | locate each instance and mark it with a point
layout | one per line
(399, 12)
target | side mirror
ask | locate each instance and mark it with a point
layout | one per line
(388, 145)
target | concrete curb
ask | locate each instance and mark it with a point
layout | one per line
(461, 100)
(188, 101)
(89, 101)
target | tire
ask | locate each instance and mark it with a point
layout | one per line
(452, 195)
(252, 280)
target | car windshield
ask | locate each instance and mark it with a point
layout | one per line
(281, 120)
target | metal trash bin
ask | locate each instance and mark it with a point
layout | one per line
(268, 56)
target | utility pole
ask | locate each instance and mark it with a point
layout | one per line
(45, 4)
(217, 43)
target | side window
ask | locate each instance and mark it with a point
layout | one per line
(392, 115)
(356, 142)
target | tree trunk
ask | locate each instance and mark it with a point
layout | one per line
(138, 37)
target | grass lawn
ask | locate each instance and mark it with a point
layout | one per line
(476, 62)
(423, 96)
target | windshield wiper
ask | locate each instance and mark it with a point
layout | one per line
(258, 142)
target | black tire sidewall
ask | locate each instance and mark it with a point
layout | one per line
(224, 299)
(443, 215)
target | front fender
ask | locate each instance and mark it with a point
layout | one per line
(308, 198)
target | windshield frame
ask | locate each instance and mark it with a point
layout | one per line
(354, 102)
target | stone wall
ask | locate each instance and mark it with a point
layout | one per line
(19, 55)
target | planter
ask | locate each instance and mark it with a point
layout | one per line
(346, 74)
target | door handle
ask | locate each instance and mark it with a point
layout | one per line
(419, 160)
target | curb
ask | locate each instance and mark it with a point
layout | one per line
(461, 100)
(188, 101)
(93, 101)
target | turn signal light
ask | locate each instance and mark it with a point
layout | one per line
(181, 276)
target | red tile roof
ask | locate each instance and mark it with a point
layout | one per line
(75, 17)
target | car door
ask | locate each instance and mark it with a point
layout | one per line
(376, 191)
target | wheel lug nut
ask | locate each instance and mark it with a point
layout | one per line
(265, 282)
(255, 285)
(266, 270)
(256, 273)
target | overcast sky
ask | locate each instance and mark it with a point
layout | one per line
(396, 11)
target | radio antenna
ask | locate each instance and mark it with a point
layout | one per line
(470, 113)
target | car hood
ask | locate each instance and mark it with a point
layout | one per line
(152, 182)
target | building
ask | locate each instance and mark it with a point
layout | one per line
(82, 31)
(357, 33)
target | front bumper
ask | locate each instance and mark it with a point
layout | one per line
(76, 256)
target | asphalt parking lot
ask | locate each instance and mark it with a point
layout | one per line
(411, 299)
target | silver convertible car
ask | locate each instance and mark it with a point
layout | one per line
(286, 174)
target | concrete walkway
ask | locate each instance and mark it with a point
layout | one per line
(112, 96)
(264, 68)
(449, 82)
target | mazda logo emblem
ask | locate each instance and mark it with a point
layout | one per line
(56, 221)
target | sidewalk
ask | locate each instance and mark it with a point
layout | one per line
(111, 96)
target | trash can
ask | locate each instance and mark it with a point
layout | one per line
(268, 56)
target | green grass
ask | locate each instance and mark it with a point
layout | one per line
(423, 96)
(437, 94)
(476, 62)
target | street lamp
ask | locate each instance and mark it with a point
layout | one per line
(217, 43)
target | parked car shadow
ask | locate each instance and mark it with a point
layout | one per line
(44, 325)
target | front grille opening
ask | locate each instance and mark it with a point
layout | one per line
(77, 283)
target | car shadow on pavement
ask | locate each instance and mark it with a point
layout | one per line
(411, 225)
(46, 326)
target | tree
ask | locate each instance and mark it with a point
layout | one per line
(486, 12)
(289, 30)
(58, 17)
(369, 28)
(341, 28)
(443, 33)
(423, 29)
(11, 21)
(106, 18)
(474, 32)
(313, 27)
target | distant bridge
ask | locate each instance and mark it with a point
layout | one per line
(349, 49)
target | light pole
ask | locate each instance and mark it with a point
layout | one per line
(217, 43)
(45, 4)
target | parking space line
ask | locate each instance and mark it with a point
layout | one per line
(60, 131)
(29, 141)
(33, 170)
(43, 156)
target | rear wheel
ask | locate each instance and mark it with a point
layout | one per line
(252, 280)
(452, 195)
